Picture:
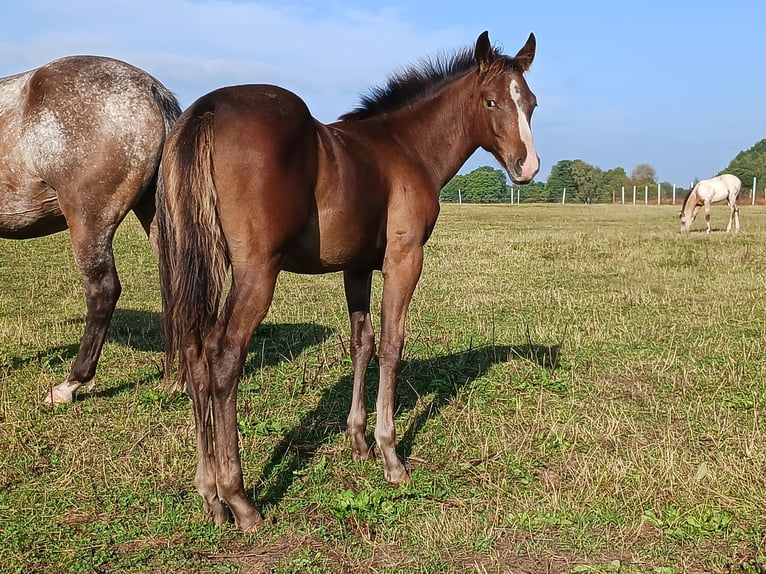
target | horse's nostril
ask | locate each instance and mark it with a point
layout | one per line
(519, 163)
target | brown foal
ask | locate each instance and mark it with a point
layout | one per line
(254, 185)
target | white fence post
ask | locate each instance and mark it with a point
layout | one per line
(623, 195)
(634, 195)
(564, 196)
(646, 195)
(674, 194)
(754, 183)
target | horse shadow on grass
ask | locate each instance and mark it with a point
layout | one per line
(272, 343)
(439, 378)
(132, 328)
(141, 331)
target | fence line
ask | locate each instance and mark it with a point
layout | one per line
(515, 198)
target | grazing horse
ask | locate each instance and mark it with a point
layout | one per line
(723, 187)
(255, 184)
(80, 145)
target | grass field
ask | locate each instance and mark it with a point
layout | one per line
(583, 390)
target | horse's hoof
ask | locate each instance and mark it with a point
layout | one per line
(398, 477)
(362, 454)
(250, 523)
(58, 396)
(217, 513)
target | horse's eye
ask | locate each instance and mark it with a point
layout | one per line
(490, 103)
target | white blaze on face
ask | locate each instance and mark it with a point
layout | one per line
(531, 162)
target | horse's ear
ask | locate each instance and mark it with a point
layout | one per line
(527, 53)
(483, 52)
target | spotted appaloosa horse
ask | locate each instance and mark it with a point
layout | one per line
(720, 188)
(80, 145)
(256, 185)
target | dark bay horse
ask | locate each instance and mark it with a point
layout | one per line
(255, 185)
(80, 145)
(720, 188)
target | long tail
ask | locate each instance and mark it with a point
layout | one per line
(170, 110)
(193, 257)
(168, 105)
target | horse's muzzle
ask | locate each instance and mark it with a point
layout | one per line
(523, 169)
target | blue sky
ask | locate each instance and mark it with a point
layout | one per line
(678, 85)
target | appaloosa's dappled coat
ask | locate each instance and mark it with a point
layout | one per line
(254, 185)
(80, 144)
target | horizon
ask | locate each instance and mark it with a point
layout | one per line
(617, 85)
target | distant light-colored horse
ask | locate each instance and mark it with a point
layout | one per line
(724, 187)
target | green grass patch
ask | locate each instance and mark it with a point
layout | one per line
(582, 390)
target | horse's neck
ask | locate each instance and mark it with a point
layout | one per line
(690, 202)
(436, 130)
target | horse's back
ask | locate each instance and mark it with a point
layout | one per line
(72, 131)
(305, 199)
(94, 105)
(720, 188)
(732, 182)
(259, 115)
(264, 150)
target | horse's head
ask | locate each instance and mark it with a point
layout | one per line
(504, 106)
(686, 223)
(688, 212)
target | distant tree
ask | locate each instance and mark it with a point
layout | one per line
(452, 191)
(583, 182)
(483, 185)
(643, 174)
(560, 178)
(588, 182)
(749, 164)
(487, 185)
(533, 192)
(613, 182)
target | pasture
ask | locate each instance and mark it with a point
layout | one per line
(582, 390)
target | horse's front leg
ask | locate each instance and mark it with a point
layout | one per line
(357, 287)
(401, 270)
(707, 216)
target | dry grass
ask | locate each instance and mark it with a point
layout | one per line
(583, 390)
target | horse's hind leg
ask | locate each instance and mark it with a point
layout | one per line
(226, 348)
(707, 216)
(204, 479)
(357, 288)
(733, 215)
(93, 252)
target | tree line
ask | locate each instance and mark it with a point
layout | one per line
(585, 183)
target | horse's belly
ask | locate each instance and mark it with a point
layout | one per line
(334, 245)
(30, 211)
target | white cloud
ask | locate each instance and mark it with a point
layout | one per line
(323, 53)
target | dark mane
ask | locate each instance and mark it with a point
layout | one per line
(416, 82)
